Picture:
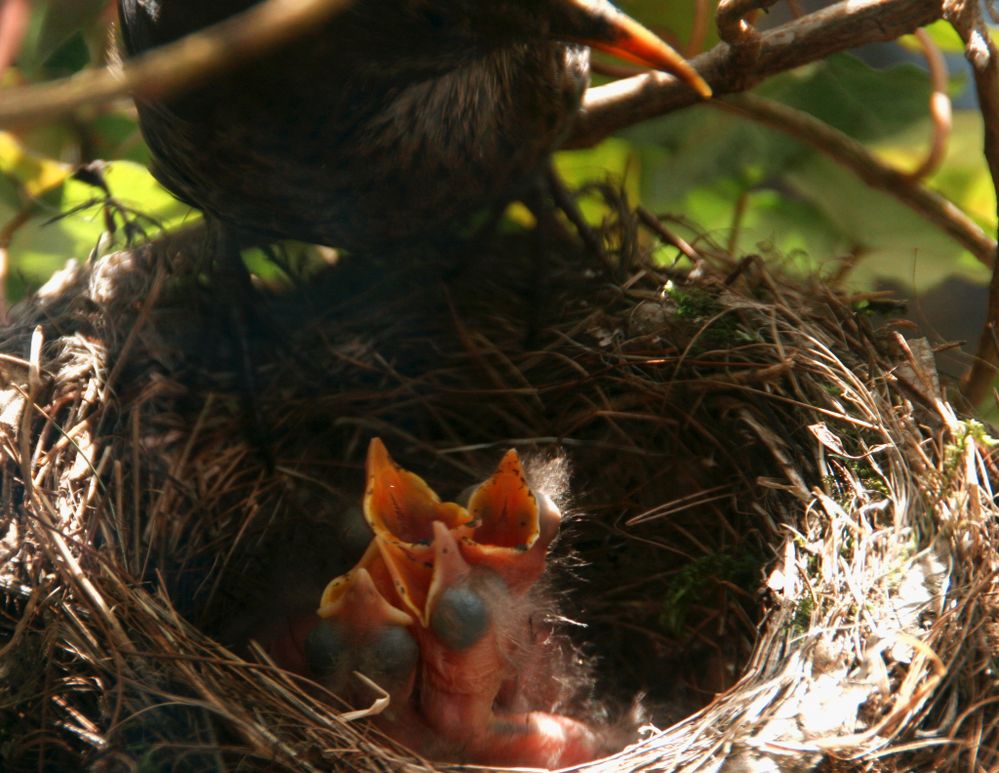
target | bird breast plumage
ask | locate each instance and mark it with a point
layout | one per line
(392, 119)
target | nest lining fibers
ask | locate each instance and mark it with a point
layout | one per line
(779, 531)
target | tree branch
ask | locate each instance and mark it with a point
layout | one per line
(940, 107)
(753, 57)
(854, 156)
(165, 70)
(965, 16)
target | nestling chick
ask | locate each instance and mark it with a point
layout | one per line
(441, 614)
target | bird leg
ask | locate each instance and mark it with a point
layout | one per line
(565, 201)
(237, 295)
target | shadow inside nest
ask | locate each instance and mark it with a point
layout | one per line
(661, 559)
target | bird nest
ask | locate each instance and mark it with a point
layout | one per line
(779, 543)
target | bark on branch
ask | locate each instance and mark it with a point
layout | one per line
(751, 58)
(169, 68)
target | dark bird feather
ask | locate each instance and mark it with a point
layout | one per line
(394, 119)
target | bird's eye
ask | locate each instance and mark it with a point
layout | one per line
(434, 18)
(326, 650)
(460, 618)
(429, 12)
(393, 654)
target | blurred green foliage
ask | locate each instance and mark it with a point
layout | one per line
(701, 164)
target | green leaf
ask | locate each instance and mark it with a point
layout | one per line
(67, 222)
(55, 43)
(116, 135)
(31, 173)
(612, 159)
(703, 146)
(852, 96)
(799, 206)
(964, 176)
(673, 20)
(897, 242)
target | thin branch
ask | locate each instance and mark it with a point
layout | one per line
(875, 173)
(167, 69)
(14, 15)
(729, 69)
(664, 232)
(700, 28)
(735, 21)
(940, 107)
(979, 49)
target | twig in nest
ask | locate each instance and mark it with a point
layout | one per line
(665, 233)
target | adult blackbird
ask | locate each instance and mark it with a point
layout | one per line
(395, 118)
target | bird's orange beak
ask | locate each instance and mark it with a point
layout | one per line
(600, 25)
(511, 530)
(503, 509)
(402, 509)
(450, 568)
(354, 599)
(400, 505)
(505, 528)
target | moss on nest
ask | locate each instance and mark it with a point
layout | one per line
(782, 534)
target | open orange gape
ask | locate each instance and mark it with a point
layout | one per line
(439, 614)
